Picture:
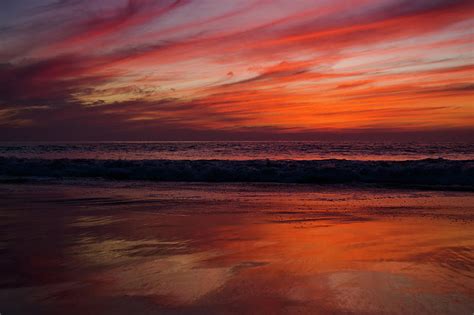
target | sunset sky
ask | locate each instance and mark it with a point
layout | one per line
(247, 69)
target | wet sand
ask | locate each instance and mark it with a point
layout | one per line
(183, 248)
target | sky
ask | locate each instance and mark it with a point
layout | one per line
(236, 70)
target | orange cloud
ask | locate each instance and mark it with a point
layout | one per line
(279, 66)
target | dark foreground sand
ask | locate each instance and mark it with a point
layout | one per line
(179, 248)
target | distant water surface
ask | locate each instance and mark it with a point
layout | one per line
(291, 150)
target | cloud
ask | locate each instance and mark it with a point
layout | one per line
(300, 66)
(111, 22)
(52, 82)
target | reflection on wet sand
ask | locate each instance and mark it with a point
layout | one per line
(263, 249)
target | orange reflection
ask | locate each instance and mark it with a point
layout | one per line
(256, 248)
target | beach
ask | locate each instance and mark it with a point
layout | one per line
(117, 247)
(237, 157)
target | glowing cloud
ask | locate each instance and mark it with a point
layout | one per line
(147, 69)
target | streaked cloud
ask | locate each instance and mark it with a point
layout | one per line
(235, 67)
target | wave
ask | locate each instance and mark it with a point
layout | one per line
(431, 173)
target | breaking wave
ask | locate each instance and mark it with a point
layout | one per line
(450, 174)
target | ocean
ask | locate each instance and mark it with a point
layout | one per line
(415, 165)
(243, 150)
(236, 228)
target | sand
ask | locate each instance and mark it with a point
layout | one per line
(104, 247)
